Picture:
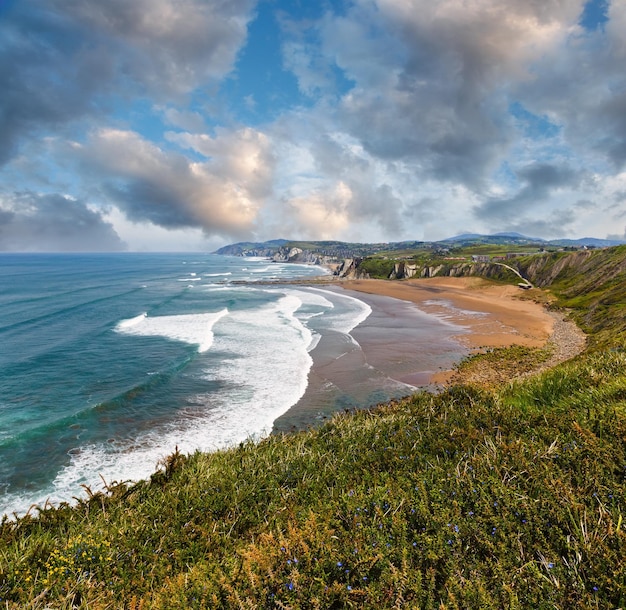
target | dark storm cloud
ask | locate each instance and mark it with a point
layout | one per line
(434, 89)
(540, 182)
(53, 223)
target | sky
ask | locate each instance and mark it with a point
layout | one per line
(185, 125)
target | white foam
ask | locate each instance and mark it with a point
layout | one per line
(217, 274)
(189, 279)
(265, 360)
(315, 339)
(262, 362)
(196, 329)
(357, 312)
(309, 298)
(125, 324)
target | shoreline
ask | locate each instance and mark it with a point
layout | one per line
(393, 353)
(466, 316)
(494, 314)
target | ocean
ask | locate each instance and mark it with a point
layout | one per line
(108, 362)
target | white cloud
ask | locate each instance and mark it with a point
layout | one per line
(421, 118)
(167, 189)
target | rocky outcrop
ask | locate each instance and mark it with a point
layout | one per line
(403, 271)
(288, 254)
(543, 270)
(350, 270)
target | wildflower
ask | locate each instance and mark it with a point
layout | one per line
(339, 564)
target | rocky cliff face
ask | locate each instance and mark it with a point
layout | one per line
(297, 255)
(404, 270)
(350, 270)
(544, 270)
(540, 270)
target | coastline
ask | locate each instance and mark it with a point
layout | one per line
(494, 314)
(462, 316)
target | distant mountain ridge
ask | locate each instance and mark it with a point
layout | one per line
(342, 249)
(514, 237)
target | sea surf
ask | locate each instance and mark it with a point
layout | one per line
(109, 362)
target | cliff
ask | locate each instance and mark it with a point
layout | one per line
(289, 254)
(351, 269)
(405, 270)
(592, 284)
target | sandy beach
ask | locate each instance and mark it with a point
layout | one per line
(494, 314)
(417, 332)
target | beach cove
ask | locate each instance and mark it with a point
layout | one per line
(204, 352)
(420, 329)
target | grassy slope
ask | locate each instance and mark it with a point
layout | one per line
(511, 497)
(593, 285)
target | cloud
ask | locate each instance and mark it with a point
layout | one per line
(167, 46)
(414, 119)
(557, 223)
(435, 94)
(321, 214)
(580, 85)
(30, 222)
(540, 182)
(64, 60)
(148, 184)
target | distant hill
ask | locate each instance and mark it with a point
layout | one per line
(588, 241)
(518, 238)
(342, 250)
(247, 248)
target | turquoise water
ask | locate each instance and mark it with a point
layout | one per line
(108, 362)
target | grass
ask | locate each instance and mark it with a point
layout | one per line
(497, 366)
(507, 497)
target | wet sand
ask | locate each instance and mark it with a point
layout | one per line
(417, 332)
(494, 314)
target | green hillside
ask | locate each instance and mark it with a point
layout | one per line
(512, 497)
